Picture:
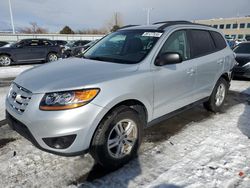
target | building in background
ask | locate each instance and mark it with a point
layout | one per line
(236, 28)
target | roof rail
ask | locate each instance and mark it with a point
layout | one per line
(174, 22)
(169, 23)
(126, 26)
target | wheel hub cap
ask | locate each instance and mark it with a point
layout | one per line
(122, 138)
(5, 61)
(52, 57)
(220, 95)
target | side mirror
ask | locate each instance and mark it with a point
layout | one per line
(168, 58)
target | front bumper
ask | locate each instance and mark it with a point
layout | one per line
(36, 125)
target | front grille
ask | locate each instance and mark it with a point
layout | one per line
(19, 98)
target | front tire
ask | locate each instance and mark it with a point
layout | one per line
(52, 57)
(218, 96)
(5, 60)
(117, 139)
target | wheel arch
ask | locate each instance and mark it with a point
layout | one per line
(135, 104)
(52, 52)
(7, 54)
(226, 77)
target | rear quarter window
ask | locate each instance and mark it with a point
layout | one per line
(201, 43)
(219, 41)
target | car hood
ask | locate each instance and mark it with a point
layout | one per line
(69, 74)
(3, 48)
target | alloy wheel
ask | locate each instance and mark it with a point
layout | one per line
(122, 138)
(5, 61)
(52, 57)
(220, 94)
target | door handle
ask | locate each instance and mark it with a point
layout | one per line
(220, 61)
(190, 71)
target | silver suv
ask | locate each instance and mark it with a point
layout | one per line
(135, 77)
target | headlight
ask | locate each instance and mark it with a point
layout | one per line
(67, 99)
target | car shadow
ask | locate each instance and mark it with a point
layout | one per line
(160, 133)
(244, 119)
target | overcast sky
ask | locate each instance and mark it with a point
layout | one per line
(83, 14)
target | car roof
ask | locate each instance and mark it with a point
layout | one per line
(35, 39)
(165, 25)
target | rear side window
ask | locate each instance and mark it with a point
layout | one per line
(202, 43)
(219, 41)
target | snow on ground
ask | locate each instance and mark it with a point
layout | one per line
(13, 71)
(195, 149)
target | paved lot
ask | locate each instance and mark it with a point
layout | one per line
(195, 149)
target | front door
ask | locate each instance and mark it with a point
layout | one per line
(174, 84)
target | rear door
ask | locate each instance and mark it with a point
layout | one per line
(209, 62)
(174, 84)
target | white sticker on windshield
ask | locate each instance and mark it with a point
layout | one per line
(151, 34)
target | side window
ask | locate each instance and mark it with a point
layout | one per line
(33, 43)
(177, 42)
(202, 43)
(22, 43)
(44, 43)
(220, 43)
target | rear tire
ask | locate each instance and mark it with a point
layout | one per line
(51, 57)
(117, 138)
(218, 96)
(5, 60)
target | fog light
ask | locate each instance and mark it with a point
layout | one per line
(62, 142)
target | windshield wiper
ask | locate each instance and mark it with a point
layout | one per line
(96, 58)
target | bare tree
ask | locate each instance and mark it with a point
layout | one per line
(34, 29)
(115, 22)
(92, 31)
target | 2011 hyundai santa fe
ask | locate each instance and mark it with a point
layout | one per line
(130, 79)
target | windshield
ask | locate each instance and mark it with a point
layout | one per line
(128, 46)
(243, 48)
(14, 44)
(70, 44)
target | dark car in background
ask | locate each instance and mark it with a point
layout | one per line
(77, 51)
(29, 51)
(242, 52)
(61, 43)
(70, 47)
(2, 43)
